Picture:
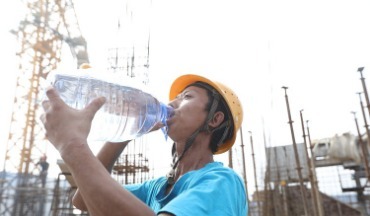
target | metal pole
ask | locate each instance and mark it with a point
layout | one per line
(279, 204)
(313, 189)
(231, 158)
(363, 147)
(243, 157)
(367, 132)
(364, 89)
(244, 167)
(365, 119)
(318, 198)
(267, 190)
(299, 168)
(255, 172)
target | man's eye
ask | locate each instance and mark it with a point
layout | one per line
(183, 96)
(187, 96)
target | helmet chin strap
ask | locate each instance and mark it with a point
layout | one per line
(171, 176)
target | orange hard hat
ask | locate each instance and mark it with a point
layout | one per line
(229, 96)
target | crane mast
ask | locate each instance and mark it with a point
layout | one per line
(47, 25)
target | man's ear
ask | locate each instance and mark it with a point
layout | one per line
(217, 119)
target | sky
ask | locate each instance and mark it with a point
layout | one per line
(312, 47)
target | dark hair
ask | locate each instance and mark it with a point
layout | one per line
(221, 106)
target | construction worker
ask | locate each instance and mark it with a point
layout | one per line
(207, 116)
(44, 166)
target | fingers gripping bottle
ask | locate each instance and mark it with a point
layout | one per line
(128, 112)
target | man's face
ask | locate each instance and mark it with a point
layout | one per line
(190, 113)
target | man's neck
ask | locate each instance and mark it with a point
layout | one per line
(193, 159)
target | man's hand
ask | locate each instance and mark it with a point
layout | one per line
(64, 125)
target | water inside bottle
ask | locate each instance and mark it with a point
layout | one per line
(127, 114)
(66, 87)
(124, 113)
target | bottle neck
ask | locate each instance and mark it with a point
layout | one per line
(166, 113)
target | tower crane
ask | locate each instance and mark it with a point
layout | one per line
(47, 26)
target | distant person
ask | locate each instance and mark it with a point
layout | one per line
(207, 116)
(44, 166)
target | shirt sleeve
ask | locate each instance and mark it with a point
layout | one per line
(215, 193)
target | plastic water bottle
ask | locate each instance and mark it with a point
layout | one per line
(128, 112)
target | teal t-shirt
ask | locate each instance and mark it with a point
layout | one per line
(211, 190)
